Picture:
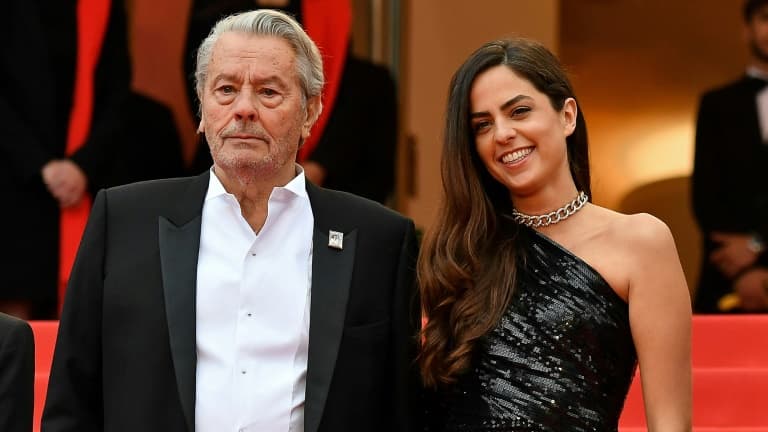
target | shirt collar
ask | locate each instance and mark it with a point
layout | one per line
(297, 185)
(754, 72)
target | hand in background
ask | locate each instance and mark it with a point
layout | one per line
(65, 181)
(733, 255)
(752, 289)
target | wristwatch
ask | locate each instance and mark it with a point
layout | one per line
(756, 243)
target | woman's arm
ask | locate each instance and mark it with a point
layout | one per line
(660, 318)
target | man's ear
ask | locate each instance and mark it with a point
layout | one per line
(568, 114)
(201, 125)
(314, 108)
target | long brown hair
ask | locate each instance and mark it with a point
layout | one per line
(466, 266)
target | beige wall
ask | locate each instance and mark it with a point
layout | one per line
(438, 35)
(639, 68)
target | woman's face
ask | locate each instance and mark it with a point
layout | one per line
(519, 137)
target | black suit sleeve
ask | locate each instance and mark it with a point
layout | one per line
(25, 156)
(112, 83)
(406, 319)
(22, 147)
(17, 372)
(705, 182)
(74, 401)
(722, 182)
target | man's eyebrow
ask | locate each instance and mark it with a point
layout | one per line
(223, 77)
(271, 79)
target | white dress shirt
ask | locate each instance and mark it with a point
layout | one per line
(762, 102)
(252, 326)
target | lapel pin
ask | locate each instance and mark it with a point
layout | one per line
(336, 240)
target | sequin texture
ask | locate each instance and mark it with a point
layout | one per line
(560, 359)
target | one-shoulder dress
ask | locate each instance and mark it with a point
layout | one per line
(560, 359)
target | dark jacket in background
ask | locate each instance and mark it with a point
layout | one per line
(17, 374)
(132, 136)
(359, 142)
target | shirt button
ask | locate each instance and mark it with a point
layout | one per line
(242, 372)
(249, 314)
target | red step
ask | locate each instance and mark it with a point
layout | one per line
(722, 397)
(730, 341)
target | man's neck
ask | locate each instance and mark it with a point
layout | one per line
(253, 192)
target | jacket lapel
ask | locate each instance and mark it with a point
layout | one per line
(331, 279)
(179, 240)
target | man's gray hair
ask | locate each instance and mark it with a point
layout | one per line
(267, 22)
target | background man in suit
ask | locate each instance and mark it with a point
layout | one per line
(17, 374)
(47, 176)
(245, 298)
(730, 192)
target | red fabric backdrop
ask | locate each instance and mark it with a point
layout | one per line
(92, 17)
(329, 24)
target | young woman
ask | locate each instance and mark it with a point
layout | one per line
(539, 304)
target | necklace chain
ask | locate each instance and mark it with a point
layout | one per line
(553, 217)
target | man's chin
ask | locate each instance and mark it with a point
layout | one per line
(263, 167)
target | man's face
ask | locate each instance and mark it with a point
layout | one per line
(253, 115)
(757, 34)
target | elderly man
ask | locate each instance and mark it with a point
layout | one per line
(244, 299)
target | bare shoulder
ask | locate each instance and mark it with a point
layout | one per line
(640, 231)
(646, 230)
(643, 248)
(645, 241)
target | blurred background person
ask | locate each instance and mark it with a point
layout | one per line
(356, 152)
(53, 163)
(66, 101)
(730, 193)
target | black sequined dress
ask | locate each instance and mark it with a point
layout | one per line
(561, 358)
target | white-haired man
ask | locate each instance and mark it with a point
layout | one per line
(244, 299)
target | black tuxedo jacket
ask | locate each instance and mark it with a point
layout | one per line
(730, 187)
(125, 356)
(17, 374)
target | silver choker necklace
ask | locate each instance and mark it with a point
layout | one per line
(553, 217)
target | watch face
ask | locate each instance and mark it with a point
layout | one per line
(755, 244)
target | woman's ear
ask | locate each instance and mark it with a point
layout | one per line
(568, 115)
